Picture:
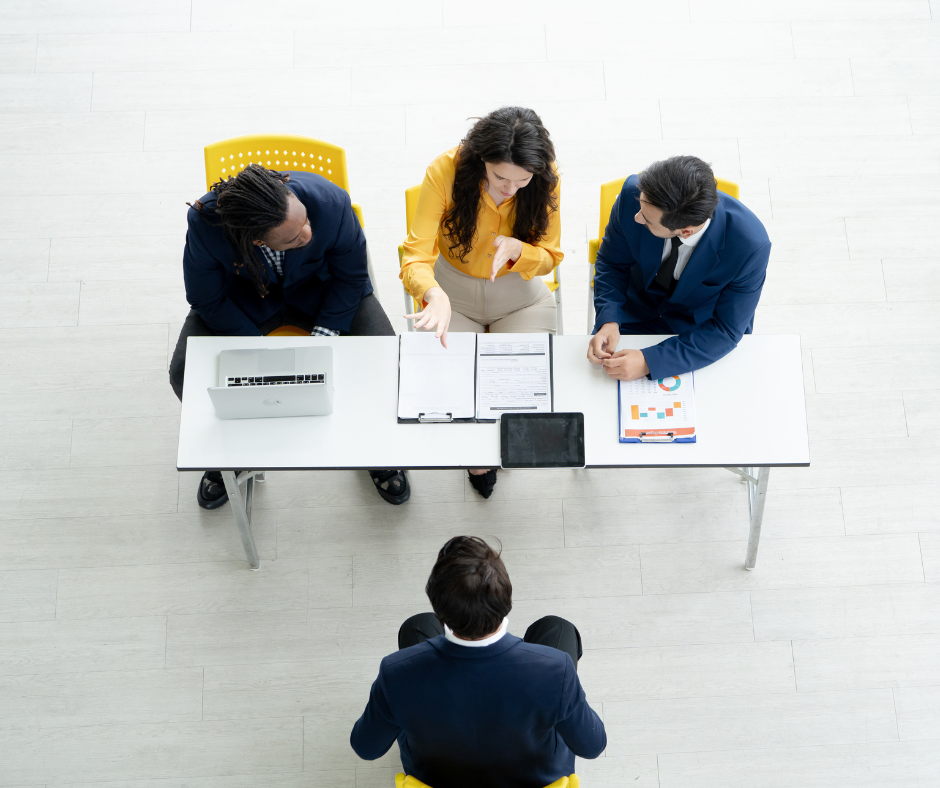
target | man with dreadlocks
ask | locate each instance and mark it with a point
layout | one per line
(267, 249)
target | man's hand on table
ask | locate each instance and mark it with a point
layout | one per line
(620, 365)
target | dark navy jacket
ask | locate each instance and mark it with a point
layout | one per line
(508, 715)
(714, 301)
(325, 279)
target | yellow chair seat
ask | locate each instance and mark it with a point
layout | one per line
(289, 331)
(402, 781)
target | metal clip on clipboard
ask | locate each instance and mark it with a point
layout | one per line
(438, 418)
(645, 437)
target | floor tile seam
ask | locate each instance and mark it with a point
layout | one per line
(767, 539)
(828, 746)
(53, 728)
(757, 749)
(595, 697)
(101, 671)
(739, 698)
(154, 617)
(823, 639)
(248, 609)
(655, 594)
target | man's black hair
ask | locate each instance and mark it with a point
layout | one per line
(250, 205)
(683, 187)
(469, 587)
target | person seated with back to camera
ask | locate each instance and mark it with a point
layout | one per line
(678, 257)
(267, 249)
(471, 704)
(486, 229)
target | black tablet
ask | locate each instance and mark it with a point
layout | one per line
(541, 440)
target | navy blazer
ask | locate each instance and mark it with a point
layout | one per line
(326, 279)
(508, 715)
(714, 301)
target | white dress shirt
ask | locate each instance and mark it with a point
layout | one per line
(449, 634)
(685, 251)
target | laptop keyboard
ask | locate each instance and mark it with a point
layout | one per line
(276, 380)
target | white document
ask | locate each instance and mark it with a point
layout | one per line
(514, 374)
(433, 381)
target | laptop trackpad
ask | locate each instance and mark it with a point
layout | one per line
(276, 362)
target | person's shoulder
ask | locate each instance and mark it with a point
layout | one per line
(311, 186)
(630, 194)
(204, 206)
(540, 660)
(742, 224)
(201, 215)
(628, 203)
(631, 187)
(407, 658)
(445, 165)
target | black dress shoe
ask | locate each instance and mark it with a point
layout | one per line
(211, 493)
(391, 485)
(483, 483)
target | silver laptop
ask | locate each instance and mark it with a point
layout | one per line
(267, 383)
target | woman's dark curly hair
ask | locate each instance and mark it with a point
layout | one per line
(514, 135)
(249, 206)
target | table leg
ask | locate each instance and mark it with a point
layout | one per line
(241, 508)
(756, 497)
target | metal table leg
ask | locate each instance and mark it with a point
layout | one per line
(241, 508)
(757, 480)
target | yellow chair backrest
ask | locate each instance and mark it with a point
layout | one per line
(401, 781)
(411, 205)
(278, 152)
(609, 193)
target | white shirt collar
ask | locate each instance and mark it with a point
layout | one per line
(692, 240)
(449, 634)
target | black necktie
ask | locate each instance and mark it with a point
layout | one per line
(665, 277)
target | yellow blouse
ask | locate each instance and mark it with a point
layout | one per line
(426, 238)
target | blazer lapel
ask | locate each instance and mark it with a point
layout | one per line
(704, 257)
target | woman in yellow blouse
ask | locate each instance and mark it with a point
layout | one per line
(485, 230)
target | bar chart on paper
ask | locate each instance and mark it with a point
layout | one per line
(661, 410)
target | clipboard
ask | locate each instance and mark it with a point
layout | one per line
(657, 410)
(437, 386)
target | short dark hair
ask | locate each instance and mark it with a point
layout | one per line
(469, 587)
(683, 187)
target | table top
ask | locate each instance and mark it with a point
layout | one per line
(750, 411)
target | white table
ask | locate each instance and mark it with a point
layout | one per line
(750, 417)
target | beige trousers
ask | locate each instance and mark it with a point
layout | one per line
(510, 305)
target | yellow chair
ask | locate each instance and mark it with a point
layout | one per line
(609, 194)
(282, 152)
(411, 204)
(401, 781)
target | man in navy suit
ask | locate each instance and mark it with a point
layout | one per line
(677, 258)
(266, 249)
(469, 703)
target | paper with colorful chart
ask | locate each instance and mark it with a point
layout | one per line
(658, 411)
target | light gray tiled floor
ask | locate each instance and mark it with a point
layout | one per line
(136, 651)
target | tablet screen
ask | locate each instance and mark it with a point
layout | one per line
(542, 440)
